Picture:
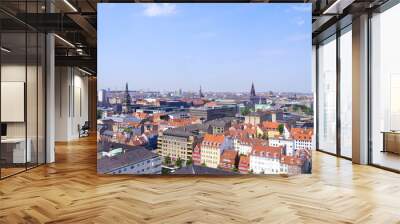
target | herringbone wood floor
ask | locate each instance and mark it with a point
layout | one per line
(70, 191)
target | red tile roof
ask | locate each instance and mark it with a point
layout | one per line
(266, 151)
(291, 160)
(219, 139)
(269, 125)
(211, 104)
(228, 155)
(251, 141)
(302, 133)
(179, 122)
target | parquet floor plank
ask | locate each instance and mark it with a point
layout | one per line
(70, 191)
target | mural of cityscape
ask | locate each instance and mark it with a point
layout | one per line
(155, 118)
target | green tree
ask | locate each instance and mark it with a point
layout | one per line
(281, 128)
(128, 130)
(245, 111)
(178, 162)
(99, 114)
(308, 111)
(189, 162)
(234, 169)
(165, 171)
(167, 160)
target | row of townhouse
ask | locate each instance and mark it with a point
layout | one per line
(244, 145)
(270, 160)
(251, 156)
(300, 139)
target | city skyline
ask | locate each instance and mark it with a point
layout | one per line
(181, 46)
(197, 91)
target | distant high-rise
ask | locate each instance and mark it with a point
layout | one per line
(201, 93)
(101, 96)
(127, 100)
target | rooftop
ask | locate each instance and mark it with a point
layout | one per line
(228, 155)
(201, 170)
(220, 122)
(266, 151)
(290, 160)
(186, 131)
(302, 133)
(214, 138)
(270, 125)
(130, 155)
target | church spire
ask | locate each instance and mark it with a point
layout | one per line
(201, 93)
(252, 91)
(127, 100)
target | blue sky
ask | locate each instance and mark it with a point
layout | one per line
(222, 47)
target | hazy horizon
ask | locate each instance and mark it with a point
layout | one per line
(196, 91)
(222, 47)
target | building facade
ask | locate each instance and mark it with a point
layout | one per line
(211, 150)
(265, 160)
(176, 143)
(244, 164)
(211, 113)
(291, 165)
(229, 160)
(196, 156)
(287, 144)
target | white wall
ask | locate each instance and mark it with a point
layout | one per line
(71, 103)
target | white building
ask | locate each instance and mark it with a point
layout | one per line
(288, 144)
(244, 145)
(303, 142)
(265, 160)
(241, 146)
(101, 96)
(303, 138)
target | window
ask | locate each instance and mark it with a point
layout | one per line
(23, 74)
(327, 95)
(346, 93)
(385, 88)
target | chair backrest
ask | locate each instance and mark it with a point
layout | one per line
(86, 125)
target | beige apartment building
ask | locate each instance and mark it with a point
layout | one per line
(179, 142)
(211, 149)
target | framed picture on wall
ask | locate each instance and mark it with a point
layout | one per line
(204, 89)
(13, 101)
